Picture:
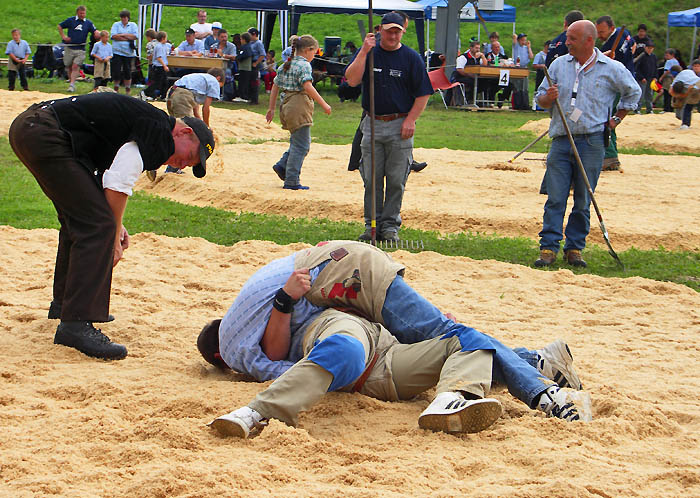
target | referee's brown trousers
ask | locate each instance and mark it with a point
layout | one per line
(83, 273)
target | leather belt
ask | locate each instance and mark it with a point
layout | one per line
(361, 381)
(391, 117)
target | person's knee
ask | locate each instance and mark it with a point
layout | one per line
(341, 355)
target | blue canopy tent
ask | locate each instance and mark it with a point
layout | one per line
(413, 10)
(684, 19)
(267, 12)
(468, 13)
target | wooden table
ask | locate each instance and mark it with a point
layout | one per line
(494, 72)
(204, 63)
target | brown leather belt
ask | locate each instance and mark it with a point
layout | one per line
(361, 381)
(391, 117)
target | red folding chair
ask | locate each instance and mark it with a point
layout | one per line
(441, 83)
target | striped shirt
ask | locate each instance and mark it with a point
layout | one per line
(293, 79)
(243, 326)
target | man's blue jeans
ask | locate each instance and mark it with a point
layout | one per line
(292, 160)
(412, 318)
(561, 171)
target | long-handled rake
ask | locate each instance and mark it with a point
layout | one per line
(585, 176)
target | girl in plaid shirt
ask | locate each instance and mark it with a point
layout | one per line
(295, 80)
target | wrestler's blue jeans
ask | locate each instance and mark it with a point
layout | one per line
(412, 318)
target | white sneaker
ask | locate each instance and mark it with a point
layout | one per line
(71, 88)
(557, 363)
(145, 97)
(238, 99)
(450, 412)
(239, 422)
(683, 127)
(566, 404)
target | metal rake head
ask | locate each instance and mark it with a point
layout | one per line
(406, 245)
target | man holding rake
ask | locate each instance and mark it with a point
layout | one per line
(585, 83)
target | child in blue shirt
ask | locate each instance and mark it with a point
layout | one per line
(102, 52)
(295, 78)
(159, 87)
(18, 51)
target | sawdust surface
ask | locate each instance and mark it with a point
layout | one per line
(653, 203)
(74, 426)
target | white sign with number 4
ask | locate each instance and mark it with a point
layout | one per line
(504, 77)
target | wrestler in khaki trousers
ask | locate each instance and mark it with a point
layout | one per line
(400, 372)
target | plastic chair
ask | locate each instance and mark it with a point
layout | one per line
(441, 83)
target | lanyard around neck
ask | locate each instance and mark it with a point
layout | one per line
(580, 68)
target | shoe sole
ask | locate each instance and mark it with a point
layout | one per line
(473, 418)
(61, 342)
(562, 351)
(229, 428)
(281, 175)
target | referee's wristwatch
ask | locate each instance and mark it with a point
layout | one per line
(617, 119)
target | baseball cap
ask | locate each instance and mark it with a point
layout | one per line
(521, 35)
(206, 144)
(650, 43)
(189, 31)
(392, 20)
(216, 25)
(254, 31)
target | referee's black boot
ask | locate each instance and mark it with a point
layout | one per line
(88, 340)
(55, 313)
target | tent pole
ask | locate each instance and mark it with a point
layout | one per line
(373, 207)
(692, 47)
(667, 39)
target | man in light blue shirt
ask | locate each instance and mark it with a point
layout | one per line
(125, 35)
(585, 84)
(198, 89)
(191, 46)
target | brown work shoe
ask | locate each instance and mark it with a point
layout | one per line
(573, 257)
(611, 164)
(547, 257)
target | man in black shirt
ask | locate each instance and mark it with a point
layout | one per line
(641, 40)
(558, 46)
(86, 153)
(402, 89)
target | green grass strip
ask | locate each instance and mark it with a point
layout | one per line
(24, 206)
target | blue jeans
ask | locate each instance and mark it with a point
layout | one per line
(293, 158)
(561, 170)
(412, 318)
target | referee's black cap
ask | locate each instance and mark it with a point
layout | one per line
(206, 144)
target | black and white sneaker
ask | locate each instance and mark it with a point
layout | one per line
(566, 404)
(239, 423)
(556, 362)
(450, 412)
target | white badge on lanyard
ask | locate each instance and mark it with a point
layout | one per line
(576, 113)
